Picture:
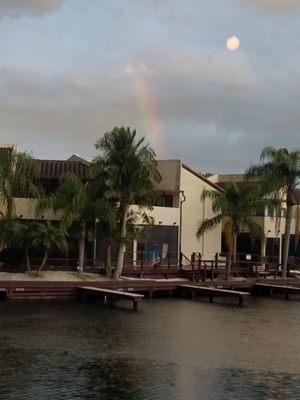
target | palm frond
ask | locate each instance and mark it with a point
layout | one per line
(208, 224)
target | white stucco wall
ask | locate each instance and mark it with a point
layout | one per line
(168, 216)
(25, 209)
(193, 212)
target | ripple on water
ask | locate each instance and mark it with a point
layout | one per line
(171, 349)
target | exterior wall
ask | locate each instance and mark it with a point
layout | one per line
(193, 212)
(25, 209)
(163, 215)
(170, 174)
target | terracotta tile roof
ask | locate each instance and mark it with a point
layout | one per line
(53, 169)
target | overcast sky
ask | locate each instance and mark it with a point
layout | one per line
(72, 69)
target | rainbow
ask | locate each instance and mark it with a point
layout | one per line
(148, 111)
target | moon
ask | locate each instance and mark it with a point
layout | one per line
(233, 43)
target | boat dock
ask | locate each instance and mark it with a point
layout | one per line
(236, 289)
(212, 292)
(110, 296)
(286, 290)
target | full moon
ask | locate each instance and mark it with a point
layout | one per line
(233, 43)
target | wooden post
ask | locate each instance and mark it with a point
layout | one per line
(287, 296)
(135, 305)
(180, 261)
(240, 301)
(204, 272)
(212, 271)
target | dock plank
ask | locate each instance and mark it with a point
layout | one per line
(112, 294)
(285, 289)
(216, 292)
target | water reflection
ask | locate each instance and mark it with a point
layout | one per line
(171, 349)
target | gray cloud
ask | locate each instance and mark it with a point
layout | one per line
(17, 8)
(276, 5)
(213, 111)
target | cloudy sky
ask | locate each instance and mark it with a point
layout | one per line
(72, 69)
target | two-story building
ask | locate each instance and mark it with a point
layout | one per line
(273, 225)
(177, 213)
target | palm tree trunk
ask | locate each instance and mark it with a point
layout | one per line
(82, 246)
(228, 264)
(43, 263)
(108, 258)
(27, 261)
(287, 235)
(121, 248)
(234, 249)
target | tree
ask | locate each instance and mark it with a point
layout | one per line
(18, 176)
(72, 199)
(132, 172)
(279, 171)
(236, 208)
(104, 208)
(48, 236)
(23, 233)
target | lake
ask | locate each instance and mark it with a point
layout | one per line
(169, 349)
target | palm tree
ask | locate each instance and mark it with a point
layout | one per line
(18, 175)
(72, 198)
(236, 208)
(132, 172)
(279, 171)
(48, 236)
(104, 208)
(23, 234)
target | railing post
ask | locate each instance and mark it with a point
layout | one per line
(180, 261)
(204, 272)
(212, 271)
(193, 272)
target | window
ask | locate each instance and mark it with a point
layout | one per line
(164, 200)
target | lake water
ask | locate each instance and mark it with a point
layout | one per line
(169, 349)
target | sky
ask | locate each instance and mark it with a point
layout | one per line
(71, 70)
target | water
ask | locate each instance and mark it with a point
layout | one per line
(170, 349)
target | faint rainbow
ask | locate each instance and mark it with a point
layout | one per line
(148, 111)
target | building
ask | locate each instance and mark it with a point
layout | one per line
(178, 211)
(273, 226)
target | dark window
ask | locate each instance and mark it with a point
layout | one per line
(164, 200)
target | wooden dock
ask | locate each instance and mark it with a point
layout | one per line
(286, 290)
(111, 295)
(212, 292)
(3, 293)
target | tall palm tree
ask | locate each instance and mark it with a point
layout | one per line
(279, 171)
(104, 208)
(72, 198)
(132, 176)
(48, 236)
(236, 208)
